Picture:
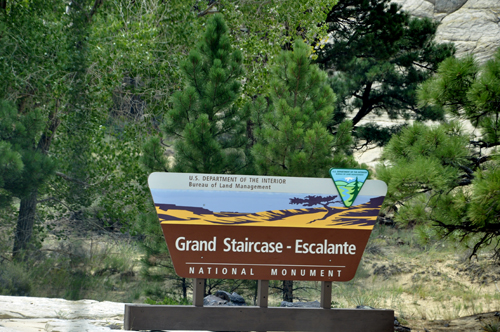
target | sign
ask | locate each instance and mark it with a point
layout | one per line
(264, 227)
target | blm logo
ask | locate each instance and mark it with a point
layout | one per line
(348, 183)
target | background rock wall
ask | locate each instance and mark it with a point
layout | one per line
(472, 25)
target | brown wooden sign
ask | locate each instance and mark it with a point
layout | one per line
(263, 227)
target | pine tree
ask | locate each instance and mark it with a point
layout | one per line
(291, 132)
(355, 189)
(24, 167)
(11, 167)
(378, 55)
(208, 126)
(460, 179)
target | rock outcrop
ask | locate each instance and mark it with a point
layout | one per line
(23, 314)
(313, 304)
(38, 314)
(472, 25)
(222, 298)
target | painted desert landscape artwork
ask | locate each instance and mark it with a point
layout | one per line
(247, 209)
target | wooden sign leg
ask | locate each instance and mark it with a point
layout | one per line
(326, 295)
(198, 292)
(262, 294)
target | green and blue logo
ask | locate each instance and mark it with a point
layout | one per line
(348, 183)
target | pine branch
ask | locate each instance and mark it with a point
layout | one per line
(464, 182)
(162, 142)
(208, 11)
(54, 199)
(469, 227)
(5, 259)
(97, 4)
(483, 144)
(49, 133)
(69, 178)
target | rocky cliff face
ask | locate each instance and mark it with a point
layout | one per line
(472, 25)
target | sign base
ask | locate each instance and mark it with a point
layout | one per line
(161, 317)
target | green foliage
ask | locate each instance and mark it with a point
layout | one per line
(469, 91)
(32, 51)
(80, 120)
(11, 166)
(30, 54)
(49, 62)
(129, 79)
(263, 29)
(425, 233)
(24, 167)
(291, 131)
(14, 280)
(422, 160)
(460, 180)
(204, 115)
(484, 205)
(73, 270)
(449, 88)
(378, 55)
(153, 158)
(343, 144)
(156, 264)
(135, 49)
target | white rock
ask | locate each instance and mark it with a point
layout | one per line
(37, 314)
(31, 307)
(482, 4)
(58, 325)
(472, 25)
(369, 156)
(23, 325)
(468, 25)
(417, 8)
(76, 326)
(448, 6)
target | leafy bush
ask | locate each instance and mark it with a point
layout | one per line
(14, 280)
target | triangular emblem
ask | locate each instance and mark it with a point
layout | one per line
(348, 183)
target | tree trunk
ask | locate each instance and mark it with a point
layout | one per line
(288, 290)
(367, 105)
(24, 228)
(256, 293)
(184, 288)
(27, 209)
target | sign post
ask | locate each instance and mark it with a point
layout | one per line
(267, 228)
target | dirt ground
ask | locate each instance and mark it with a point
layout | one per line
(434, 290)
(479, 322)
